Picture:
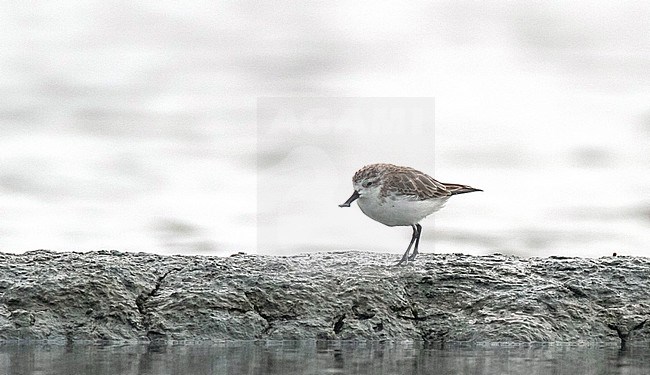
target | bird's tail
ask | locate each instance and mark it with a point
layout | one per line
(460, 189)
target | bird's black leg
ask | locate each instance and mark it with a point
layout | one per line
(416, 236)
(417, 242)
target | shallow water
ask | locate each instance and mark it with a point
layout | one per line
(319, 358)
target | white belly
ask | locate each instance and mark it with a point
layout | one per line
(393, 212)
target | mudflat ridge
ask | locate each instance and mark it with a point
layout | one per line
(118, 296)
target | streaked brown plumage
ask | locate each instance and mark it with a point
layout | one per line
(401, 196)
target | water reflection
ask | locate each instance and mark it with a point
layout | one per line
(318, 358)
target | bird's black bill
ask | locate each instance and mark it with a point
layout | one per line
(352, 198)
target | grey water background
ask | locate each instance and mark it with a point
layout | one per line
(136, 126)
(319, 358)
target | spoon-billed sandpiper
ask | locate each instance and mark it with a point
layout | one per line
(401, 196)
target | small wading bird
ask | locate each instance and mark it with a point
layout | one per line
(401, 196)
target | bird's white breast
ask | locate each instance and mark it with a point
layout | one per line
(396, 211)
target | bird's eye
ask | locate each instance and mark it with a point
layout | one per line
(367, 183)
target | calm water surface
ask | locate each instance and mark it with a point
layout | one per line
(319, 358)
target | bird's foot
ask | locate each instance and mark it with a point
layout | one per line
(405, 258)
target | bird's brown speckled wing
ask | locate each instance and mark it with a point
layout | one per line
(455, 189)
(414, 184)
